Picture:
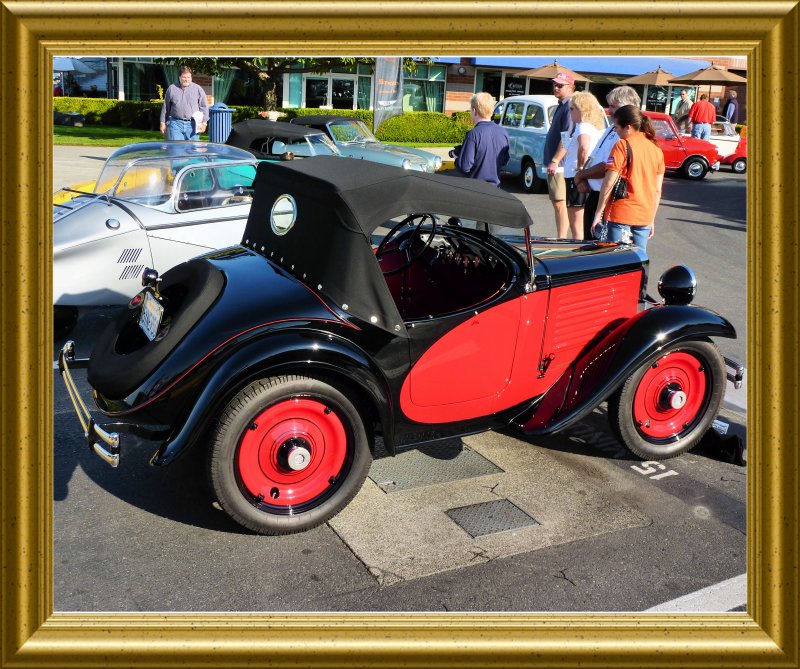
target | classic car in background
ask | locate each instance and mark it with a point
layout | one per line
(275, 139)
(355, 140)
(526, 119)
(286, 368)
(732, 146)
(155, 204)
(690, 157)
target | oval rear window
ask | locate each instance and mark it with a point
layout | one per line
(283, 214)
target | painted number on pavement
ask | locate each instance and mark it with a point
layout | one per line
(651, 467)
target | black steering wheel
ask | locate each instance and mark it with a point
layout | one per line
(406, 245)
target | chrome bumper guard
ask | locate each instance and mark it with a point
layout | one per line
(105, 444)
(715, 166)
(735, 374)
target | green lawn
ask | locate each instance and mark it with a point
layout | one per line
(102, 135)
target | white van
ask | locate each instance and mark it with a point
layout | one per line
(526, 119)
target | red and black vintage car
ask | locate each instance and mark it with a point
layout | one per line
(288, 355)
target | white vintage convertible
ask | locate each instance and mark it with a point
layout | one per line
(155, 204)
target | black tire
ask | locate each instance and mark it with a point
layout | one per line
(531, 183)
(288, 453)
(64, 319)
(695, 169)
(648, 414)
(739, 166)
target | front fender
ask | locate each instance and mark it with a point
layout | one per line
(304, 353)
(602, 369)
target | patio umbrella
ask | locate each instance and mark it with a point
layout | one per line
(713, 74)
(657, 77)
(65, 65)
(73, 65)
(550, 71)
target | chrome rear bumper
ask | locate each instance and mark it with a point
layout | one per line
(105, 444)
(735, 373)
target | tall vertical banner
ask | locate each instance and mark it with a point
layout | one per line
(388, 90)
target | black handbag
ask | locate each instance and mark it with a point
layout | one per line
(620, 190)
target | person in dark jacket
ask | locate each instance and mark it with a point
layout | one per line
(732, 108)
(485, 148)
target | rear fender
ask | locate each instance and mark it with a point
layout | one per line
(309, 354)
(600, 371)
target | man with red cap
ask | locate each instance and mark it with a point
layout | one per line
(563, 88)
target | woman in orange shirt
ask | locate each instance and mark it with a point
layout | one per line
(633, 219)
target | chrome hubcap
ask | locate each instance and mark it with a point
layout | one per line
(295, 454)
(673, 397)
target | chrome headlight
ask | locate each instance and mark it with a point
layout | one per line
(406, 164)
(677, 285)
(437, 163)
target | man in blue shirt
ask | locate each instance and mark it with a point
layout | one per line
(563, 88)
(485, 148)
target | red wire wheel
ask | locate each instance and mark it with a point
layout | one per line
(665, 407)
(288, 453)
(670, 395)
(292, 452)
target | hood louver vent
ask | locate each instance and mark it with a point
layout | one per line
(129, 255)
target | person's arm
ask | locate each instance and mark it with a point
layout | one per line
(659, 183)
(605, 192)
(466, 159)
(583, 148)
(164, 108)
(558, 156)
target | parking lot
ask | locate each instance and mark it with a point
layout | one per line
(490, 522)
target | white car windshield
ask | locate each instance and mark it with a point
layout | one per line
(144, 181)
(314, 145)
(351, 131)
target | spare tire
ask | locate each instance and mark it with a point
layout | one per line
(123, 357)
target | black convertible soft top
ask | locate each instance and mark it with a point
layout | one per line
(320, 119)
(244, 133)
(339, 202)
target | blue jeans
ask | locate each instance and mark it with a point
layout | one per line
(701, 130)
(177, 130)
(630, 234)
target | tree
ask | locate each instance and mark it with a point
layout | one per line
(269, 71)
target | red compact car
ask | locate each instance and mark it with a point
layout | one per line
(284, 358)
(693, 158)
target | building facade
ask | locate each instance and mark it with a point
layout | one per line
(441, 84)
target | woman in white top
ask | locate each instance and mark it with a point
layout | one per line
(588, 125)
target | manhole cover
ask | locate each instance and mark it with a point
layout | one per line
(428, 465)
(490, 518)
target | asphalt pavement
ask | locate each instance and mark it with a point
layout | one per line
(491, 522)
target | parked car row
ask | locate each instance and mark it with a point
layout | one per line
(285, 368)
(527, 119)
(157, 204)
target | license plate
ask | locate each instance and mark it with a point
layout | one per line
(151, 316)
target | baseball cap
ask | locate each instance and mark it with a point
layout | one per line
(564, 78)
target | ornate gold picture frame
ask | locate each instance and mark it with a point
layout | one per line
(766, 32)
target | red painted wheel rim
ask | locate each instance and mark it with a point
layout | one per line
(680, 371)
(262, 460)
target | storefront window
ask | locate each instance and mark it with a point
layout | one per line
(423, 95)
(656, 99)
(489, 81)
(140, 80)
(514, 86)
(364, 92)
